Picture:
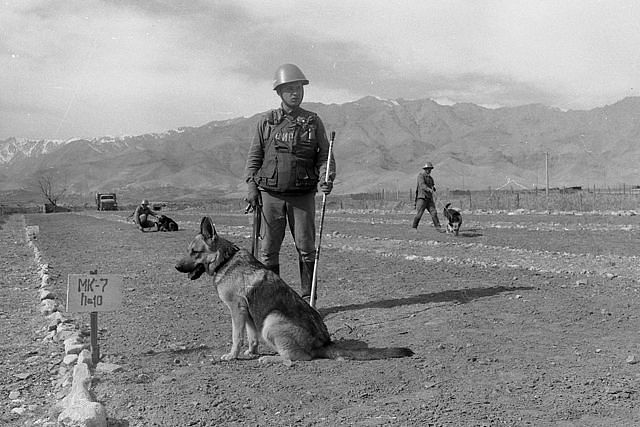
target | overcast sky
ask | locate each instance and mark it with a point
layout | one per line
(88, 68)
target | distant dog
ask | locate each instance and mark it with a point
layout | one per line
(166, 224)
(263, 304)
(454, 219)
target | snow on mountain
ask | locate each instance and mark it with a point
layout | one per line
(31, 148)
(27, 147)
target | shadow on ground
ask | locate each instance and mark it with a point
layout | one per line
(461, 296)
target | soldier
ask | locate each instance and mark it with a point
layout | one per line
(425, 197)
(286, 161)
(142, 214)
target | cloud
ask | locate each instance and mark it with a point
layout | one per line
(570, 54)
(93, 67)
(115, 63)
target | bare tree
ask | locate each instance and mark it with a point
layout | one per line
(50, 189)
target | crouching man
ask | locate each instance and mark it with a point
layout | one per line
(142, 215)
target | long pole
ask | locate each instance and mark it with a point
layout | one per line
(314, 280)
(95, 346)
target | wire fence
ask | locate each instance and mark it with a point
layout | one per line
(619, 198)
(623, 197)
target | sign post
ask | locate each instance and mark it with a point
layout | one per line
(93, 293)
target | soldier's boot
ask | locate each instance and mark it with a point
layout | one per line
(275, 268)
(306, 278)
(414, 224)
(436, 223)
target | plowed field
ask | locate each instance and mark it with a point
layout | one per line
(520, 320)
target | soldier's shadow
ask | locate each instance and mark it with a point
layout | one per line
(461, 296)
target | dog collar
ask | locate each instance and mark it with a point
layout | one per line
(227, 259)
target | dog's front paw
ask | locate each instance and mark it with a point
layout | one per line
(251, 354)
(229, 356)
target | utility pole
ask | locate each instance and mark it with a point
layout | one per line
(546, 171)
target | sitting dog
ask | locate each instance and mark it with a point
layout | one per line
(166, 224)
(454, 219)
(264, 305)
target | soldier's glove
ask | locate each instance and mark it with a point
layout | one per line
(326, 187)
(253, 196)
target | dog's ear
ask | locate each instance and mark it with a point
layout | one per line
(207, 228)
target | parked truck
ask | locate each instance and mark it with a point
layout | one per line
(106, 202)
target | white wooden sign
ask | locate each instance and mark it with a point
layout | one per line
(94, 292)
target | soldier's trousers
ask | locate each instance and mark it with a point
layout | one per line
(299, 212)
(421, 206)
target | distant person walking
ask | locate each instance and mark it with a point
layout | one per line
(425, 197)
(286, 161)
(142, 214)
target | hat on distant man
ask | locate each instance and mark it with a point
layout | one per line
(428, 165)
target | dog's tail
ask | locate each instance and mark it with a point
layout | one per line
(336, 351)
(447, 206)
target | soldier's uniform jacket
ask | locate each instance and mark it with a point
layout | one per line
(288, 153)
(425, 186)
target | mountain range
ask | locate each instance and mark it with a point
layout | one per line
(379, 144)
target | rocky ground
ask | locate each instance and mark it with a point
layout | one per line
(28, 364)
(521, 320)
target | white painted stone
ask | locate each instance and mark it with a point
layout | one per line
(62, 335)
(46, 294)
(73, 348)
(70, 359)
(56, 316)
(48, 306)
(73, 339)
(85, 357)
(85, 414)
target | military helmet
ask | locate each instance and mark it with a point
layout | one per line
(428, 165)
(288, 73)
(144, 202)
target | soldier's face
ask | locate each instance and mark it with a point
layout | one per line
(291, 94)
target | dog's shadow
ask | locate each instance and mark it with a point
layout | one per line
(470, 234)
(461, 296)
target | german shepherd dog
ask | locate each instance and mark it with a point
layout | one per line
(265, 306)
(166, 224)
(454, 219)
